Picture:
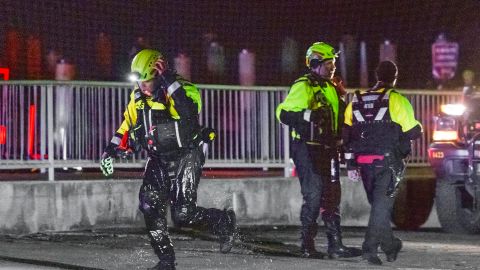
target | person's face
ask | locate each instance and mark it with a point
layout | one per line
(326, 69)
(146, 87)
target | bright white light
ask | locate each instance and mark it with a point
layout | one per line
(445, 135)
(133, 77)
(453, 109)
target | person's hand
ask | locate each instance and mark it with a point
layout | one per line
(354, 175)
(165, 76)
(160, 66)
(316, 117)
(320, 115)
(338, 82)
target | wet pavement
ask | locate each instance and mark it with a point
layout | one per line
(257, 248)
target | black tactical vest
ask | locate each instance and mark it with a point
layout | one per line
(159, 133)
(373, 131)
(322, 132)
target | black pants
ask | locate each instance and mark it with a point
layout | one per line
(376, 180)
(320, 193)
(174, 181)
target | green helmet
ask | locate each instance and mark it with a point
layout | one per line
(143, 64)
(321, 51)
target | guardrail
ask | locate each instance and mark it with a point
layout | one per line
(55, 124)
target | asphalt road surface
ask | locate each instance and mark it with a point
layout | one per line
(257, 248)
(8, 265)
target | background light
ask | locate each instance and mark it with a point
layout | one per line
(453, 109)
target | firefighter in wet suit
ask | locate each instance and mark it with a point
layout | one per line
(313, 109)
(162, 117)
(379, 127)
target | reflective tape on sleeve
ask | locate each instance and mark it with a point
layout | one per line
(173, 87)
(116, 140)
(306, 115)
(177, 133)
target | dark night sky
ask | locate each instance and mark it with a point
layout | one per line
(71, 26)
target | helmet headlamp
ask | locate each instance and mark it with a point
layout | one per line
(134, 76)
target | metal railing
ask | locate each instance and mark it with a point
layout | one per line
(55, 124)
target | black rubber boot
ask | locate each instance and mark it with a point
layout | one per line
(227, 233)
(336, 249)
(372, 259)
(370, 254)
(308, 243)
(393, 253)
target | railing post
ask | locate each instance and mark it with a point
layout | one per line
(264, 127)
(43, 124)
(50, 144)
(286, 152)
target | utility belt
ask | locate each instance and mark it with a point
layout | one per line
(387, 158)
(321, 150)
(323, 143)
(392, 161)
(369, 159)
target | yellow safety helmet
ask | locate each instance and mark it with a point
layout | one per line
(319, 52)
(142, 68)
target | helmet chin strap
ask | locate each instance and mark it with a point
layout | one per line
(394, 82)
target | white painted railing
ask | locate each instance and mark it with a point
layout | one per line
(53, 124)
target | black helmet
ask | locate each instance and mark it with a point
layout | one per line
(386, 72)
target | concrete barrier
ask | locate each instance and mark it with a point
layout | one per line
(27, 207)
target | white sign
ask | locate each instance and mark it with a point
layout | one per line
(444, 59)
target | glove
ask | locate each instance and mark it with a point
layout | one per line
(208, 134)
(106, 163)
(125, 153)
(352, 168)
(321, 115)
(160, 85)
(316, 117)
(354, 175)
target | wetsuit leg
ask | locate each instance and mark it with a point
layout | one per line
(153, 199)
(185, 211)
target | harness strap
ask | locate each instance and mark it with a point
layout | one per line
(369, 159)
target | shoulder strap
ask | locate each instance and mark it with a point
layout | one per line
(358, 95)
(382, 94)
